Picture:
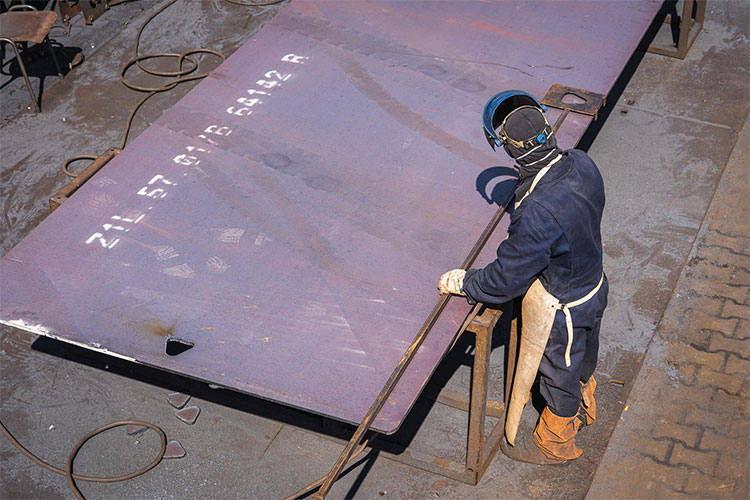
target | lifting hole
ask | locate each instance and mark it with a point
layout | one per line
(571, 98)
(177, 346)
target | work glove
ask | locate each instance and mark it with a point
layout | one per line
(452, 282)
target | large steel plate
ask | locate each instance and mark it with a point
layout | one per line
(291, 215)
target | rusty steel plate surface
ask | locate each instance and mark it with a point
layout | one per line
(291, 215)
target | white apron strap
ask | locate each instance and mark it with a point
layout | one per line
(565, 308)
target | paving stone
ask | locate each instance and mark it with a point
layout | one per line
(739, 277)
(705, 271)
(189, 415)
(710, 486)
(707, 418)
(174, 450)
(700, 396)
(665, 428)
(685, 352)
(712, 306)
(720, 342)
(710, 378)
(705, 461)
(699, 338)
(740, 428)
(733, 404)
(661, 490)
(724, 257)
(656, 448)
(674, 476)
(732, 466)
(734, 310)
(739, 244)
(743, 330)
(178, 399)
(712, 287)
(735, 364)
(722, 443)
(703, 321)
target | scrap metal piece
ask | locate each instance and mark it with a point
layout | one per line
(189, 415)
(178, 399)
(174, 450)
(133, 429)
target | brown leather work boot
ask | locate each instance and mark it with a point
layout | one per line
(587, 411)
(553, 442)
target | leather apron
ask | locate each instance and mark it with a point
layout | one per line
(538, 310)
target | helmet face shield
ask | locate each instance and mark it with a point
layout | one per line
(497, 110)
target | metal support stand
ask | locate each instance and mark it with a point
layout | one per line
(480, 448)
(689, 27)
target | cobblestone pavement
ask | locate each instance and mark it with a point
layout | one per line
(685, 429)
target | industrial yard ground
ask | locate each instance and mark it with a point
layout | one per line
(674, 150)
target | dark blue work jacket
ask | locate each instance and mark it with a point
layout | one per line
(555, 235)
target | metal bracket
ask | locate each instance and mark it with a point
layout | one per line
(481, 447)
(92, 9)
(590, 103)
(68, 10)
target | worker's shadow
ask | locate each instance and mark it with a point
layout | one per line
(502, 181)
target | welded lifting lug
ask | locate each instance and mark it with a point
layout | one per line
(585, 101)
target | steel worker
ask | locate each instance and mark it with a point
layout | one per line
(552, 258)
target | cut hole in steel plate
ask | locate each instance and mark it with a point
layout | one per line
(177, 346)
(571, 98)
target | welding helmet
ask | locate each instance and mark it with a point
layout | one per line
(496, 112)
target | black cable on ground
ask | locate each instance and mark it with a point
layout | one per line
(68, 472)
(182, 74)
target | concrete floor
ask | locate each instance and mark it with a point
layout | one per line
(662, 148)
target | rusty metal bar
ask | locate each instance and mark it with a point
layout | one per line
(459, 401)
(483, 335)
(70, 188)
(491, 445)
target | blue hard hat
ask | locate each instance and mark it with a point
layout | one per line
(499, 107)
